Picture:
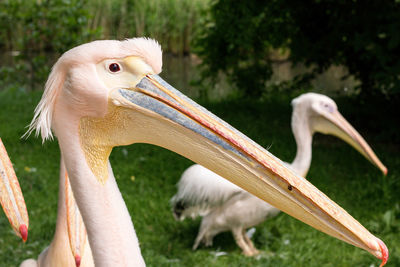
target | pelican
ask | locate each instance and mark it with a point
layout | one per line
(11, 198)
(69, 247)
(108, 93)
(226, 207)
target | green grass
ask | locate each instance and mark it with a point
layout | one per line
(337, 170)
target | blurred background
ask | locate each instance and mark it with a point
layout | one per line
(245, 61)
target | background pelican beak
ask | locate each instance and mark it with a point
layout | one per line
(11, 197)
(337, 125)
(76, 228)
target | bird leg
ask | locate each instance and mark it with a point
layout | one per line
(250, 243)
(204, 234)
(241, 242)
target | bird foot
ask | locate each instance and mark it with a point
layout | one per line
(208, 243)
(251, 253)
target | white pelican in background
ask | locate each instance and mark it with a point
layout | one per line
(69, 247)
(107, 93)
(226, 207)
(11, 198)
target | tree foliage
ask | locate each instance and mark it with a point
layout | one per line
(236, 40)
(361, 35)
(37, 28)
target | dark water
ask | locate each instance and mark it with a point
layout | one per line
(330, 82)
(182, 71)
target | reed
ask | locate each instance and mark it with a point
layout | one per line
(174, 23)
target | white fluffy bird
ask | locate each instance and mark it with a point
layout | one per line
(226, 207)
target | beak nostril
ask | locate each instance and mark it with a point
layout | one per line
(290, 187)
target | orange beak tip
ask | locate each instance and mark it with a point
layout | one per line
(385, 171)
(23, 230)
(77, 260)
(384, 251)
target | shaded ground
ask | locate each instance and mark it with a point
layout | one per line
(147, 176)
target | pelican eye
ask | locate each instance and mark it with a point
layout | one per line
(114, 67)
(328, 107)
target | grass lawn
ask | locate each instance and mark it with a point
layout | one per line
(147, 176)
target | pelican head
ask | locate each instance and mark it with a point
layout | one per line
(108, 93)
(324, 117)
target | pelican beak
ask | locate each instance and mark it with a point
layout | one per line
(337, 125)
(11, 197)
(75, 226)
(165, 117)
